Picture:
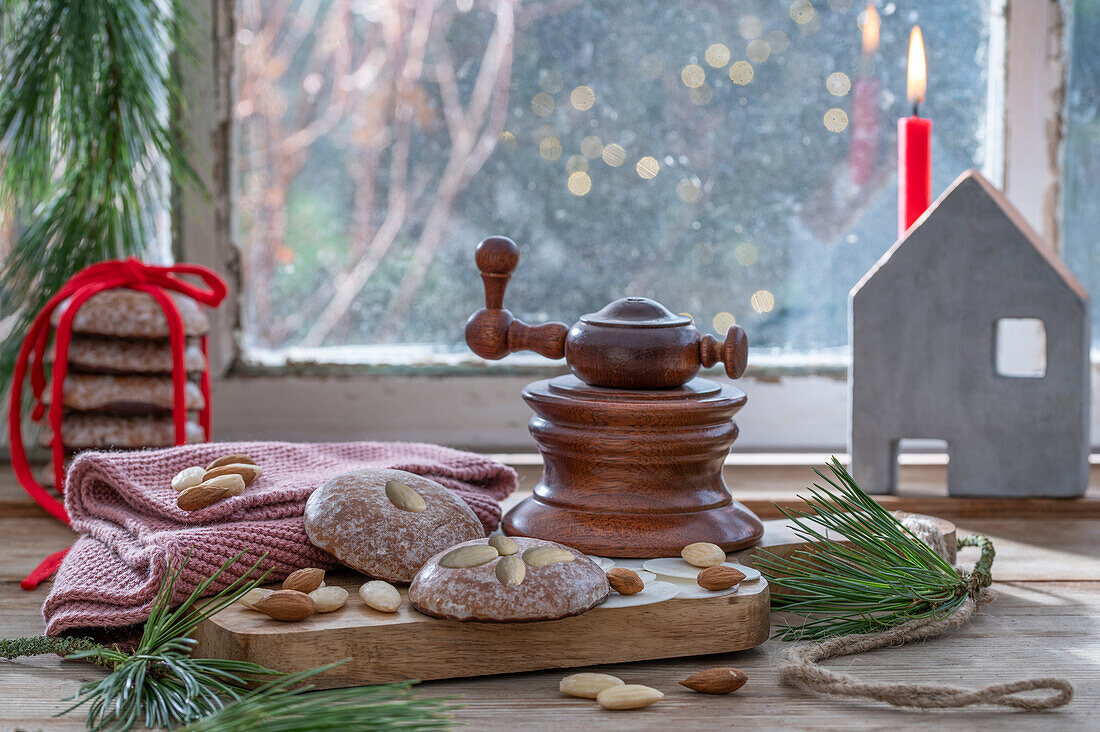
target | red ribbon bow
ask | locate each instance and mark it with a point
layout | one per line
(125, 273)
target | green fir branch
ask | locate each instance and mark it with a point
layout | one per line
(87, 96)
(881, 577)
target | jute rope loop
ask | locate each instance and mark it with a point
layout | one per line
(800, 665)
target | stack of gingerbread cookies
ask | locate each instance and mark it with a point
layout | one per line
(118, 390)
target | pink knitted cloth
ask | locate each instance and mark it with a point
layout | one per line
(123, 506)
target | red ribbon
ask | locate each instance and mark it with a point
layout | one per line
(118, 273)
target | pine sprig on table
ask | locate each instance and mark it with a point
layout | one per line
(883, 577)
(87, 96)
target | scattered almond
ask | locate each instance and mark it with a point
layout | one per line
(721, 680)
(187, 478)
(210, 491)
(381, 596)
(250, 598)
(503, 544)
(511, 570)
(286, 605)
(587, 685)
(625, 581)
(231, 460)
(404, 497)
(703, 554)
(248, 472)
(304, 580)
(327, 599)
(473, 555)
(540, 556)
(719, 578)
(628, 696)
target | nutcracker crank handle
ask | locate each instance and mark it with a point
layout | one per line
(733, 352)
(493, 332)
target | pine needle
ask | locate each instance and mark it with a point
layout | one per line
(885, 576)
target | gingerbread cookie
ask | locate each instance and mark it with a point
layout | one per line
(87, 431)
(98, 355)
(535, 580)
(387, 523)
(124, 313)
(130, 395)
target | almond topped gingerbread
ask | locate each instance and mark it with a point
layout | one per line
(387, 523)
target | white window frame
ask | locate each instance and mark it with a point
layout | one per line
(794, 404)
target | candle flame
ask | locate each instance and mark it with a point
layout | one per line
(918, 73)
(870, 30)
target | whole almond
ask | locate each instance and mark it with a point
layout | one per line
(405, 497)
(286, 605)
(210, 491)
(721, 680)
(186, 478)
(503, 544)
(231, 460)
(473, 555)
(511, 570)
(250, 598)
(327, 599)
(248, 472)
(628, 696)
(304, 580)
(703, 554)
(719, 578)
(587, 685)
(540, 556)
(381, 596)
(625, 581)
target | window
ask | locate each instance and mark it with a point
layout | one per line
(1020, 348)
(735, 162)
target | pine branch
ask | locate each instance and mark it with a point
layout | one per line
(882, 577)
(43, 646)
(86, 102)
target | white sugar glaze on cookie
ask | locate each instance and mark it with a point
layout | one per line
(474, 593)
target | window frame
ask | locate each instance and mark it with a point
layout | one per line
(796, 403)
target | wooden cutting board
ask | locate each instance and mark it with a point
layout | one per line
(407, 645)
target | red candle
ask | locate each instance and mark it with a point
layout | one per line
(914, 144)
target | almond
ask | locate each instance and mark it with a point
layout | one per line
(210, 491)
(540, 556)
(703, 554)
(327, 599)
(628, 696)
(187, 478)
(473, 555)
(625, 581)
(721, 680)
(719, 578)
(405, 497)
(231, 460)
(248, 472)
(587, 685)
(304, 580)
(511, 570)
(381, 596)
(250, 598)
(503, 544)
(286, 605)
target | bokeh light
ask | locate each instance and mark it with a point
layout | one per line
(758, 51)
(614, 155)
(718, 55)
(576, 164)
(778, 41)
(723, 321)
(762, 301)
(582, 98)
(689, 189)
(648, 168)
(701, 95)
(750, 27)
(741, 73)
(836, 120)
(591, 147)
(802, 11)
(542, 104)
(745, 254)
(693, 75)
(550, 148)
(507, 140)
(579, 183)
(838, 83)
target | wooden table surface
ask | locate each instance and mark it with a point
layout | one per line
(1044, 622)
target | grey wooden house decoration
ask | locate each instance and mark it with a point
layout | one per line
(930, 325)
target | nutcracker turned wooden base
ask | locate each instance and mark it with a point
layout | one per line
(633, 473)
